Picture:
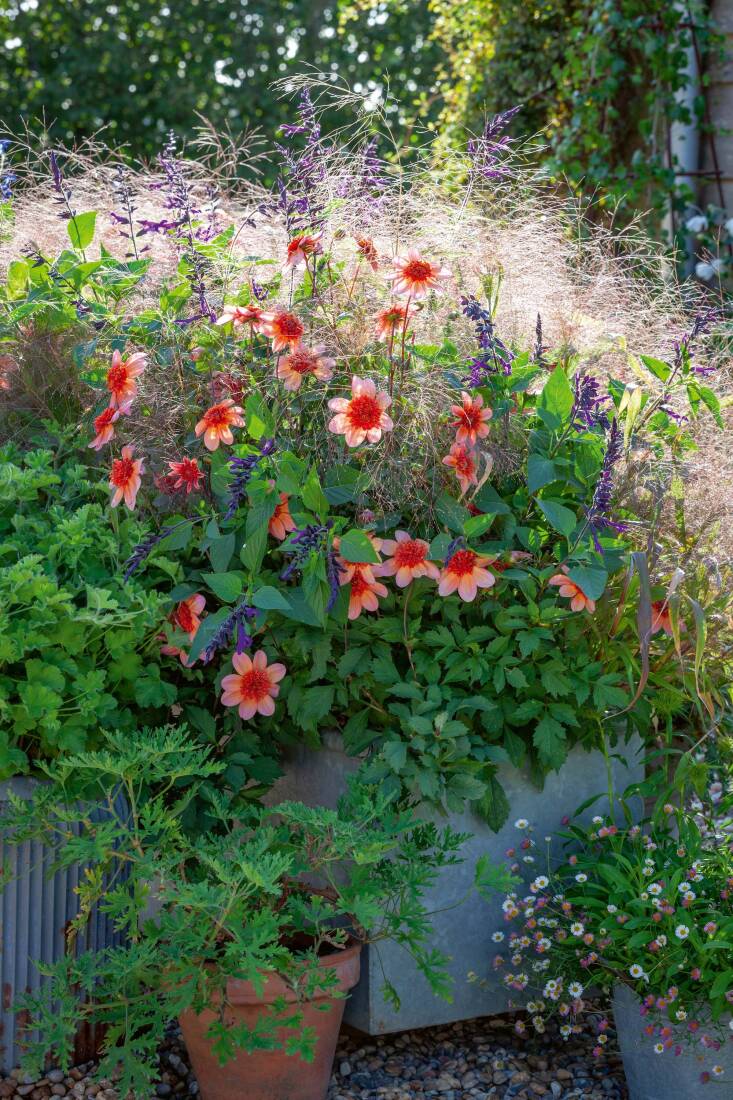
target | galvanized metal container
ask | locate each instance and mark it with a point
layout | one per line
(35, 909)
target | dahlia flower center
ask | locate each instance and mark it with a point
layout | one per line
(184, 618)
(462, 562)
(301, 362)
(117, 377)
(464, 462)
(394, 316)
(409, 553)
(289, 325)
(359, 583)
(105, 418)
(365, 412)
(122, 471)
(218, 416)
(417, 271)
(255, 684)
(471, 416)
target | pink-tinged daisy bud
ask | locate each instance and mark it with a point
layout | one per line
(363, 416)
(125, 478)
(293, 368)
(471, 419)
(254, 686)
(572, 591)
(217, 422)
(416, 276)
(121, 379)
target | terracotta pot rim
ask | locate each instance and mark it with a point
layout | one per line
(346, 962)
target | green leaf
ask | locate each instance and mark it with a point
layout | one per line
(477, 525)
(356, 546)
(315, 704)
(451, 513)
(656, 367)
(220, 552)
(493, 806)
(540, 472)
(253, 551)
(313, 496)
(556, 400)
(268, 598)
(258, 417)
(590, 578)
(81, 229)
(558, 516)
(713, 404)
(227, 586)
(549, 740)
(395, 753)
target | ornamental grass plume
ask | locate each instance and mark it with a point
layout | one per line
(401, 226)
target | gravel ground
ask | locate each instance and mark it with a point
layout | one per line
(473, 1060)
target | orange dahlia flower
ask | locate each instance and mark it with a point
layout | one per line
(121, 379)
(186, 474)
(368, 251)
(363, 416)
(292, 368)
(281, 522)
(254, 686)
(465, 572)
(471, 421)
(407, 558)
(300, 248)
(240, 315)
(662, 618)
(104, 427)
(217, 422)
(416, 276)
(186, 617)
(463, 461)
(283, 328)
(365, 588)
(125, 478)
(572, 591)
(392, 320)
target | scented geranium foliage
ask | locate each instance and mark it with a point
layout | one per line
(385, 517)
(649, 906)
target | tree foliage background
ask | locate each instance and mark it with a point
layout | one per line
(598, 79)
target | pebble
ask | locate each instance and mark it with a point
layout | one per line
(481, 1059)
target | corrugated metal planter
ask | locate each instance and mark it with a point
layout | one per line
(35, 909)
(462, 932)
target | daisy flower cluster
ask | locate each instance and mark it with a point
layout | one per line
(646, 905)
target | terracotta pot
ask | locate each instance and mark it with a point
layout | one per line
(266, 1074)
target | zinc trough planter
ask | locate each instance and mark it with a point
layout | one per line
(35, 910)
(464, 932)
(652, 1076)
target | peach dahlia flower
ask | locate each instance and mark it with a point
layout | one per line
(572, 591)
(465, 572)
(121, 378)
(416, 276)
(254, 685)
(293, 368)
(363, 416)
(283, 328)
(125, 478)
(471, 419)
(217, 422)
(407, 559)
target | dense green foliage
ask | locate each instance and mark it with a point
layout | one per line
(269, 891)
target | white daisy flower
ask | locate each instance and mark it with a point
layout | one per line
(541, 882)
(577, 928)
(497, 937)
(655, 889)
(718, 1071)
(575, 989)
(680, 1014)
(682, 931)
(636, 971)
(521, 823)
(581, 877)
(612, 908)
(659, 1048)
(698, 223)
(566, 1031)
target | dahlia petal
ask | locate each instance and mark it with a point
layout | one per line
(259, 659)
(211, 439)
(484, 579)
(338, 404)
(578, 602)
(242, 662)
(373, 435)
(390, 545)
(276, 672)
(404, 576)
(266, 705)
(247, 709)
(354, 436)
(448, 584)
(467, 588)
